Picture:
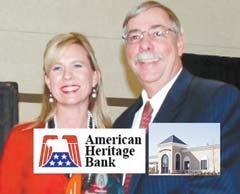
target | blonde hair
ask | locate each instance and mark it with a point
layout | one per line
(54, 50)
(151, 4)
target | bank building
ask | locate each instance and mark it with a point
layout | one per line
(175, 157)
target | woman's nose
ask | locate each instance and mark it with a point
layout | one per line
(67, 74)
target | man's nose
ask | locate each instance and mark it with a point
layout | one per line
(146, 43)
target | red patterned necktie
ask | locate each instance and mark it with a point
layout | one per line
(127, 183)
(146, 116)
(145, 120)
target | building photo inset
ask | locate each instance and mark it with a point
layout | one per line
(184, 149)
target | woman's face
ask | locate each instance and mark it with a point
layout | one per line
(71, 78)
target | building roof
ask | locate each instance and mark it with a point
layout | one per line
(173, 139)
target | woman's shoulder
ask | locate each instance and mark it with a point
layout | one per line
(25, 127)
(20, 134)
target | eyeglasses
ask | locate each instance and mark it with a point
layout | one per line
(155, 33)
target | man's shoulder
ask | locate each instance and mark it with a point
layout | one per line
(209, 86)
(201, 84)
(126, 117)
(122, 118)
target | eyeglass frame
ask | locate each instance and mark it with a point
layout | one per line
(152, 35)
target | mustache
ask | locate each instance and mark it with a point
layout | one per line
(145, 56)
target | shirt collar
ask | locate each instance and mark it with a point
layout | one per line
(157, 100)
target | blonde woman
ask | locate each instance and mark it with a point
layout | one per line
(73, 98)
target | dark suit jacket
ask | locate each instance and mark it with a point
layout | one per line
(193, 99)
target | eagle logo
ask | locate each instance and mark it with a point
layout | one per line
(60, 152)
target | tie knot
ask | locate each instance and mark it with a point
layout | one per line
(147, 108)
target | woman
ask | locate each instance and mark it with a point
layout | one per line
(73, 98)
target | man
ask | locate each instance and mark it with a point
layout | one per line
(154, 44)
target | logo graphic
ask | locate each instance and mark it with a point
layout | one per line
(64, 151)
(59, 152)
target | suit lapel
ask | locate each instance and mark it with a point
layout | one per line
(174, 99)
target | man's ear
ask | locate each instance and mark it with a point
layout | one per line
(180, 44)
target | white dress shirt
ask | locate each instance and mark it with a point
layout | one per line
(156, 101)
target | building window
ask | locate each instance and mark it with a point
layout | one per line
(203, 164)
(164, 164)
(186, 165)
(177, 162)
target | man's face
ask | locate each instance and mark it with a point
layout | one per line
(154, 59)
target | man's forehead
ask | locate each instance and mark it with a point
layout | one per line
(148, 18)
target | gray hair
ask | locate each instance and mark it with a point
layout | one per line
(176, 25)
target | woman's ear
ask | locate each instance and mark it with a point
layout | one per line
(47, 81)
(96, 78)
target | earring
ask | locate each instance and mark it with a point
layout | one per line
(94, 93)
(51, 99)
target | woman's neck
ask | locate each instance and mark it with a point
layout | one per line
(74, 117)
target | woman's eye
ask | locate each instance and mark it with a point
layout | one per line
(56, 68)
(78, 65)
